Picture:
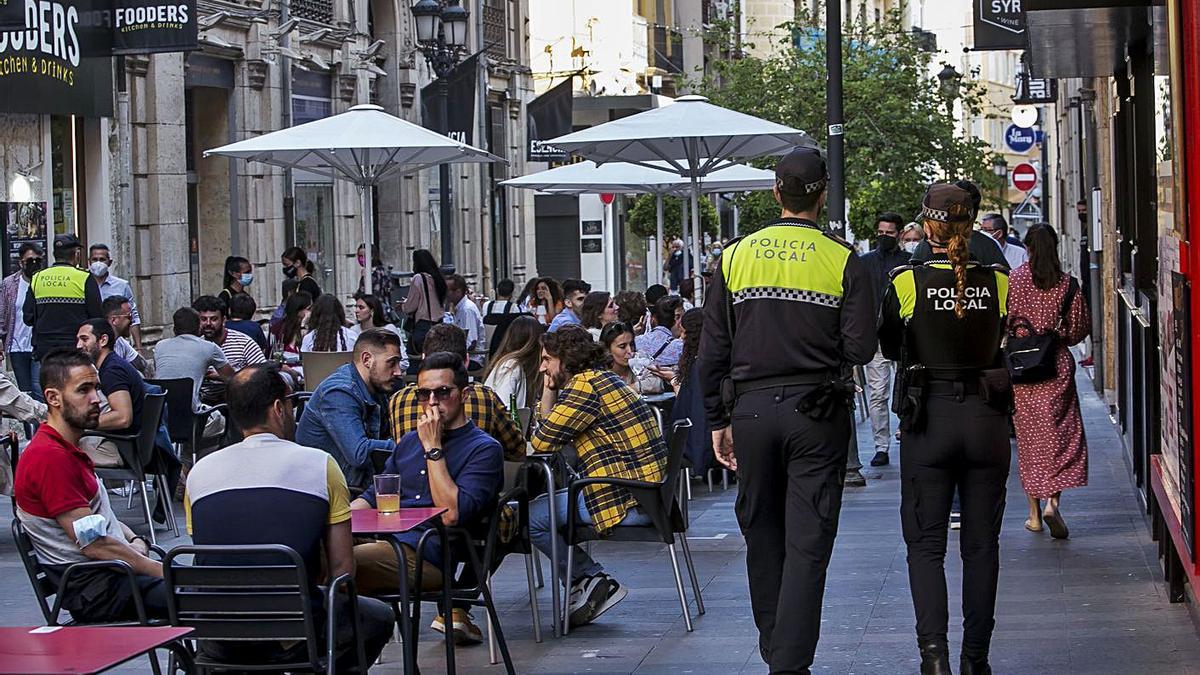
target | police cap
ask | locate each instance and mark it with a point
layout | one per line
(801, 172)
(947, 203)
(66, 242)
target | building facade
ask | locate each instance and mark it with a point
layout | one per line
(137, 178)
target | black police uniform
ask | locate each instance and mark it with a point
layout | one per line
(800, 303)
(955, 435)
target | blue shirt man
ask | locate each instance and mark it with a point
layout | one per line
(447, 462)
(574, 291)
(343, 417)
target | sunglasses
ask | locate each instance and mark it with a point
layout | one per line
(439, 394)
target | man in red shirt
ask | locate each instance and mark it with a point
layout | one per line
(56, 487)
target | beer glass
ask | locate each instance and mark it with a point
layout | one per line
(387, 492)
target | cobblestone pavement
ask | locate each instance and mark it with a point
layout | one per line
(1094, 604)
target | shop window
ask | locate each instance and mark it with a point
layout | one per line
(495, 28)
(314, 230)
(67, 173)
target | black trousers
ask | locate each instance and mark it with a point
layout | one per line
(791, 469)
(964, 445)
(104, 595)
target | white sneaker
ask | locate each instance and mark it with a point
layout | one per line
(605, 593)
(582, 591)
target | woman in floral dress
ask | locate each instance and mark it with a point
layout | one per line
(1051, 448)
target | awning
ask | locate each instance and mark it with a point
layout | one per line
(1070, 38)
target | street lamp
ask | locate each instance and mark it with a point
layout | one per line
(1000, 168)
(948, 77)
(442, 39)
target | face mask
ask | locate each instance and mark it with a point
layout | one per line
(885, 243)
(716, 252)
(246, 279)
(910, 246)
(98, 268)
(289, 272)
(31, 267)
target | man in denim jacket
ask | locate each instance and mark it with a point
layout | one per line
(343, 417)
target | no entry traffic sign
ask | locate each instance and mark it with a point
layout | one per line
(1024, 177)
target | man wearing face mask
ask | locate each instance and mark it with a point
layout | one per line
(100, 264)
(880, 261)
(60, 298)
(15, 336)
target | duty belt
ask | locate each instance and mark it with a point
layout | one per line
(797, 379)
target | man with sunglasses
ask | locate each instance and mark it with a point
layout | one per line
(446, 462)
(343, 417)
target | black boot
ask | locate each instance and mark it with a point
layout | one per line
(974, 665)
(935, 658)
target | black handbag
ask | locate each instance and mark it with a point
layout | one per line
(418, 328)
(1031, 356)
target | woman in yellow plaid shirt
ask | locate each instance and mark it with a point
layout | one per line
(615, 435)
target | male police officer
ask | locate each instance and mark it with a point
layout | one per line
(801, 305)
(61, 297)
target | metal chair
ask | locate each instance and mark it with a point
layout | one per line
(44, 589)
(185, 426)
(254, 594)
(138, 460)
(661, 502)
(320, 365)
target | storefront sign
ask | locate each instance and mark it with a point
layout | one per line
(1181, 368)
(207, 71)
(24, 223)
(149, 26)
(1035, 90)
(999, 24)
(52, 66)
(460, 102)
(549, 116)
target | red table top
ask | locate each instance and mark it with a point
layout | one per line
(78, 649)
(370, 521)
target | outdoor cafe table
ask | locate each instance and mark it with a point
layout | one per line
(372, 522)
(78, 649)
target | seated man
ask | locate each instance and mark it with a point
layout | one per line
(240, 350)
(56, 488)
(615, 434)
(267, 473)
(481, 404)
(122, 386)
(662, 343)
(119, 314)
(189, 355)
(447, 461)
(241, 318)
(343, 417)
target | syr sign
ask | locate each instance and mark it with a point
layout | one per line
(999, 24)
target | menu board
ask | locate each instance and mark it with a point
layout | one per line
(24, 222)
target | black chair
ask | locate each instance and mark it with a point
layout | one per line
(184, 425)
(50, 596)
(255, 594)
(661, 502)
(138, 460)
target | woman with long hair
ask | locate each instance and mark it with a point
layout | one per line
(513, 372)
(327, 327)
(288, 334)
(598, 311)
(238, 275)
(426, 298)
(617, 339)
(1052, 453)
(689, 395)
(296, 265)
(546, 302)
(943, 321)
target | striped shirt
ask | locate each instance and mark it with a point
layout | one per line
(240, 350)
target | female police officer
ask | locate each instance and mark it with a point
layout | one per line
(943, 321)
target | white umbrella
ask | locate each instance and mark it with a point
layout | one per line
(625, 178)
(691, 136)
(363, 145)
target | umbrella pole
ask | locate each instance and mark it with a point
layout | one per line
(683, 236)
(658, 239)
(698, 285)
(364, 192)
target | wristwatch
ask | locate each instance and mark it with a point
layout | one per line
(434, 454)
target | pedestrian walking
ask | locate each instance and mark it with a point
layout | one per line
(238, 276)
(778, 406)
(16, 336)
(880, 261)
(423, 306)
(296, 265)
(942, 321)
(1052, 453)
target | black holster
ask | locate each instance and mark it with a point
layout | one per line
(909, 402)
(995, 388)
(823, 401)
